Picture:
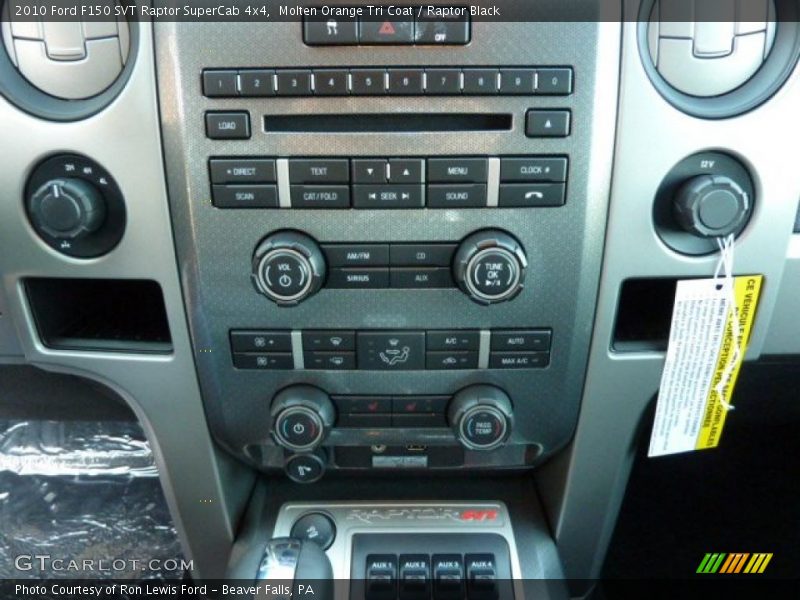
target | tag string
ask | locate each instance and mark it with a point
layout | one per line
(723, 276)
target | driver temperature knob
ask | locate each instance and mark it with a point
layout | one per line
(288, 267)
(481, 417)
(302, 416)
(489, 266)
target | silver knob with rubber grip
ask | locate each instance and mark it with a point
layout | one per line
(302, 416)
(711, 206)
(67, 208)
(481, 416)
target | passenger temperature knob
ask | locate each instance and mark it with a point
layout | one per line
(288, 267)
(481, 417)
(489, 266)
(302, 416)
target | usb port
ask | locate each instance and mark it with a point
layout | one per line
(416, 448)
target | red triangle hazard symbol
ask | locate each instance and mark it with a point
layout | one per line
(387, 28)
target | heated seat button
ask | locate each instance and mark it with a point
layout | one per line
(319, 170)
(481, 572)
(363, 405)
(415, 577)
(448, 576)
(418, 405)
(356, 255)
(381, 577)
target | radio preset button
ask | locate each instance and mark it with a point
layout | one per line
(294, 83)
(556, 82)
(442, 82)
(480, 81)
(219, 84)
(257, 82)
(517, 81)
(330, 82)
(368, 82)
(406, 82)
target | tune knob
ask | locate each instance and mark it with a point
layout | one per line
(489, 266)
(711, 206)
(67, 208)
(302, 416)
(288, 267)
(481, 417)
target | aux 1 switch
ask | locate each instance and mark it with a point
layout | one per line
(288, 267)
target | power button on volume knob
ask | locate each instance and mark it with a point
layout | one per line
(288, 267)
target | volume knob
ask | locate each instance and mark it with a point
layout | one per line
(288, 267)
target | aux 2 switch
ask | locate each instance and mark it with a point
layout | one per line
(288, 267)
(489, 266)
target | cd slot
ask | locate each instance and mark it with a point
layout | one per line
(388, 123)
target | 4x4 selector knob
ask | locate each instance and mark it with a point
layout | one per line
(481, 417)
(288, 267)
(489, 266)
(302, 416)
(67, 208)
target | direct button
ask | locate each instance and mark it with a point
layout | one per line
(242, 170)
(298, 428)
(228, 125)
(315, 527)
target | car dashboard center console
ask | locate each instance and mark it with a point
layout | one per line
(390, 244)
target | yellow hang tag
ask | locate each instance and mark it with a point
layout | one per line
(710, 331)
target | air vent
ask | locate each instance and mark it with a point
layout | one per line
(67, 59)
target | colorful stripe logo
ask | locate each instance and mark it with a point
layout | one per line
(736, 562)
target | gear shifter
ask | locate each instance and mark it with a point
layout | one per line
(301, 564)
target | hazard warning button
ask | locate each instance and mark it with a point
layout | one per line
(387, 31)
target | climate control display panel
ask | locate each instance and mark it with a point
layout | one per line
(389, 250)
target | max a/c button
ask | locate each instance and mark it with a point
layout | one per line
(519, 360)
(228, 125)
